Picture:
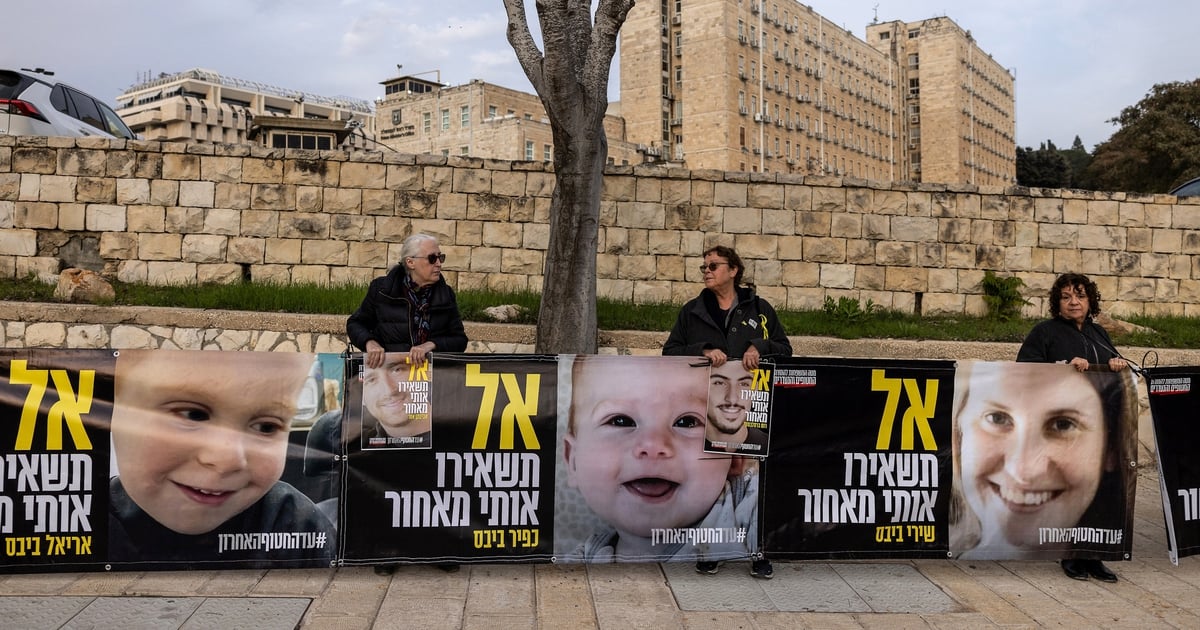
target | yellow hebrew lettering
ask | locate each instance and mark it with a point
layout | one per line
(762, 380)
(70, 409)
(487, 406)
(36, 380)
(881, 383)
(920, 410)
(520, 410)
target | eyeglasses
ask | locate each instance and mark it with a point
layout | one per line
(434, 258)
(712, 266)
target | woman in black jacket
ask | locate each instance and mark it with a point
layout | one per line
(411, 309)
(728, 321)
(1072, 336)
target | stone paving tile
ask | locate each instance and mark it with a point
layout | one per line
(1013, 586)
(892, 621)
(563, 597)
(629, 585)
(294, 582)
(615, 615)
(964, 621)
(812, 587)
(101, 583)
(239, 583)
(498, 621)
(973, 594)
(506, 588)
(352, 598)
(167, 583)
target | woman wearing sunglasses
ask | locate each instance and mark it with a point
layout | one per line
(411, 309)
(728, 322)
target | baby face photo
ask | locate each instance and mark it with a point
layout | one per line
(199, 439)
(633, 453)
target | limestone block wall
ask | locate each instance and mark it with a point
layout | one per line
(185, 213)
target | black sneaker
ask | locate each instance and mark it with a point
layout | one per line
(707, 568)
(762, 569)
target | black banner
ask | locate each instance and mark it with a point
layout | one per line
(1175, 405)
(860, 459)
(474, 489)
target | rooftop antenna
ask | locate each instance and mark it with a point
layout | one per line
(876, 9)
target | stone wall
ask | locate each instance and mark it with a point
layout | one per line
(181, 213)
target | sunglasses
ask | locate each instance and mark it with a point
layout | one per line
(434, 258)
(712, 266)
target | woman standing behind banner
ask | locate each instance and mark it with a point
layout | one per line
(1072, 336)
(728, 321)
(411, 309)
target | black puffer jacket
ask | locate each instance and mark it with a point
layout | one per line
(752, 321)
(384, 317)
(1058, 341)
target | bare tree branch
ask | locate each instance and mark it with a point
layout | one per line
(521, 40)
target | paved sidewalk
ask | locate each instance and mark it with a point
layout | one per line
(1152, 593)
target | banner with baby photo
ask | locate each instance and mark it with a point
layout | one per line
(1044, 462)
(860, 459)
(1174, 404)
(161, 459)
(462, 463)
(54, 459)
(634, 482)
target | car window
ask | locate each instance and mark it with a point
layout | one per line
(59, 101)
(113, 123)
(86, 109)
(1189, 189)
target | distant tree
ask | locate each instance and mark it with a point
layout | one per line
(1043, 168)
(1157, 145)
(1078, 160)
(571, 79)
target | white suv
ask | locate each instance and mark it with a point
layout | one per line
(32, 104)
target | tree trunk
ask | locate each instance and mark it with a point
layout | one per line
(571, 79)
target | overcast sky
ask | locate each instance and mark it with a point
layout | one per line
(1077, 62)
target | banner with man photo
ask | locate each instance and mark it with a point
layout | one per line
(739, 408)
(1175, 406)
(478, 487)
(860, 459)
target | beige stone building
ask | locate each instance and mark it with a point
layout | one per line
(958, 103)
(476, 119)
(205, 106)
(748, 85)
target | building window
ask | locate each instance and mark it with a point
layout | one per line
(883, 35)
(463, 150)
(914, 33)
(445, 152)
(529, 150)
(491, 111)
(445, 119)
(546, 153)
(426, 122)
(464, 116)
(395, 117)
(301, 141)
(913, 60)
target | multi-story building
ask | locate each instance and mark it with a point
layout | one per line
(958, 104)
(204, 106)
(752, 85)
(478, 119)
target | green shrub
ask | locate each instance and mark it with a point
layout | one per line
(849, 310)
(1003, 296)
